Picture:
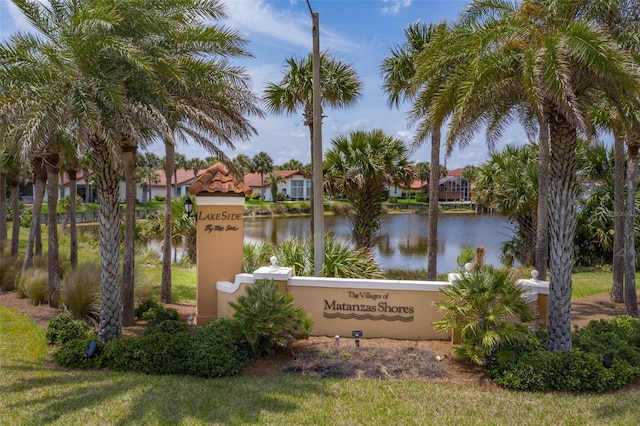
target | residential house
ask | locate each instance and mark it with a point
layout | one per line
(296, 184)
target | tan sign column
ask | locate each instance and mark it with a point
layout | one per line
(219, 233)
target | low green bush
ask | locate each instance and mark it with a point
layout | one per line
(421, 197)
(121, 354)
(75, 354)
(144, 306)
(167, 326)
(159, 197)
(164, 353)
(215, 351)
(156, 315)
(267, 319)
(531, 367)
(64, 328)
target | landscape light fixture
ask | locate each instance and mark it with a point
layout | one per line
(356, 334)
(188, 206)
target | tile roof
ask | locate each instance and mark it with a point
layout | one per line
(218, 180)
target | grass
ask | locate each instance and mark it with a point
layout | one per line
(31, 393)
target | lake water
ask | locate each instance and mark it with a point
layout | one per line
(403, 237)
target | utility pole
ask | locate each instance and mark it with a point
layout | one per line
(318, 199)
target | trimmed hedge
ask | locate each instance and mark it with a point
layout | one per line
(530, 367)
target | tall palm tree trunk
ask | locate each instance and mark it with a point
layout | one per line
(630, 296)
(53, 266)
(563, 187)
(165, 286)
(129, 151)
(542, 225)
(73, 230)
(40, 177)
(308, 121)
(434, 179)
(617, 284)
(108, 180)
(15, 206)
(3, 208)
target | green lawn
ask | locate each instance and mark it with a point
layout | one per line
(32, 393)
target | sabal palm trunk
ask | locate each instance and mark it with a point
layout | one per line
(617, 284)
(73, 230)
(165, 286)
(128, 273)
(434, 179)
(40, 177)
(630, 296)
(542, 225)
(3, 208)
(108, 179)
(563, 185)
(15, 206)
(53, 266)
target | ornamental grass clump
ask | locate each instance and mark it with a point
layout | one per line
(34, 285)
(267, 319)
(486, 309)
(80, 291)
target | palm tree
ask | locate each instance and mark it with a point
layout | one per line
(508, 182)
(357, 167)
(535, 54)
(107, 76)
(262, 163)
(242, 163)
(274, 179)
(292, 164)
(401, 83)
(340, 87)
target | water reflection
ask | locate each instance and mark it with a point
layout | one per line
(403, 239)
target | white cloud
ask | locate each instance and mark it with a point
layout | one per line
(256, 17)
(395, 6)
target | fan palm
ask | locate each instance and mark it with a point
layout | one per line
(401, 83)
(262, 163)
(340, 87)
(357, 167)
(546, 55)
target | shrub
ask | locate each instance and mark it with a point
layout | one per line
(63, 328)
(485, 306)
(422, 197)
(74, 354)
(267, 320)
(159, 197)
(144, 306)
(122, 354)
(255, 255)
(164, 353)
(169, 327)
(216, 351)
(9, 270)
(34, 285)
(341, 259)
(80, 291)
(465, 256)
(156, 315)
(339, 208)
(530, 367)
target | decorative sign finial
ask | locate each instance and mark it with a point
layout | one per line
(274, 261)
(534, 274)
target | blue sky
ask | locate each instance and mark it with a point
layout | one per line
(360, 32)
